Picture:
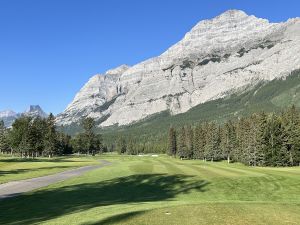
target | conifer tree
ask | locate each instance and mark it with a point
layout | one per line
(121, 145)
(291, 136)
(229, 142)
(172, 148)
(261, 139)
(274, 151)
(4, 143)
(189, 140)
(50, 141)
(182, 147)
(199, 142)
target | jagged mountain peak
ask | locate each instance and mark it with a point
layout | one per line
(118, 70)
(34, 111)
(222, 34)
(33, 108)
(231, 14)
(217, 57)
(9, 116)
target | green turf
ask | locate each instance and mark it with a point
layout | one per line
(12, 168)
(163, 190)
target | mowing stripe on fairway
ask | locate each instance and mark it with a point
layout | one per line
(171, 168)
(237, 171)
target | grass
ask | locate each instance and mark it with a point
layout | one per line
(163, 190)
(12, 168)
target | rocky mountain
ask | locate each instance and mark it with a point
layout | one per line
(224, 55)
(9, 116)
(35, 111)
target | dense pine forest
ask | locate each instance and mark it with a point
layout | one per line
(261, 139)
(258, 140)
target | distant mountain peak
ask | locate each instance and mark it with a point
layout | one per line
(34, 111)
(33, 108)
(9, 116)
(7, 113)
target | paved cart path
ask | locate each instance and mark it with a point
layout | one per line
(14, 188)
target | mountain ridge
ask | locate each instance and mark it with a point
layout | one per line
(215, 58)
(9, 116)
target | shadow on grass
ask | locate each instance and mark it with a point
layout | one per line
(52, 203)
(15, 159)
(116, 218)
(18, 171)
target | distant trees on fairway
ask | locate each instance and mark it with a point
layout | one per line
(258, 140)
(34, 137)
(87, 142)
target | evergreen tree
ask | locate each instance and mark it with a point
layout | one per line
(4, 142)
(199, 142)
(78, 144)
(229, 140)
(88, 124)
(274, 154)
(50, 141)
(121, 145)
(261, 139)
(212, 143)
(182, 151)
(19, 136)
(172, 148)
(189, 140)
(291, 136)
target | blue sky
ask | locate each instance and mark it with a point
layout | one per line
(50, 48)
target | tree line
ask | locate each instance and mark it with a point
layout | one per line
(131, 145)
(34, 137)
(257, 140)
(260, 139)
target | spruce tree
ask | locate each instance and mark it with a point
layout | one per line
(172, 148)
(229, 140)
(50, 141)
(199, 142)
(182, 147)
(261, 139)
(4, 142)
(189, 140)
(291, 136)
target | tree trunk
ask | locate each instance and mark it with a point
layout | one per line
(228, 159)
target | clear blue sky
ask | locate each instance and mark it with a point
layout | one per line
(50, 48)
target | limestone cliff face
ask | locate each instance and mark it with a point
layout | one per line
(216, 58)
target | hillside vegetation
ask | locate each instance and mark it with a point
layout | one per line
(269, 97)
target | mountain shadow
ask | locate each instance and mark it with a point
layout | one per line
(52, 203)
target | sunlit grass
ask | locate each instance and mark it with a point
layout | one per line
(163, 190)
(13, 168)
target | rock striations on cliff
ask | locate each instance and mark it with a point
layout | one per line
(217, 57)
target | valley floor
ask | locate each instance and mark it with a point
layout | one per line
(161, 190)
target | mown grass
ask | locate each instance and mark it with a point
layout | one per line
(163, 190)
(13, 168)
